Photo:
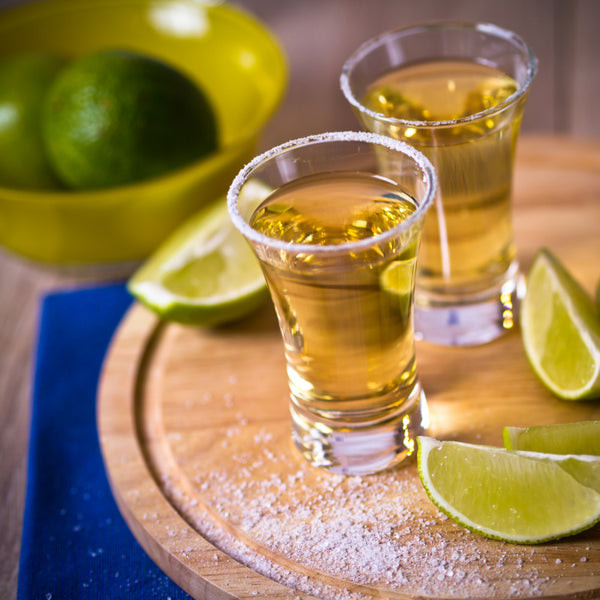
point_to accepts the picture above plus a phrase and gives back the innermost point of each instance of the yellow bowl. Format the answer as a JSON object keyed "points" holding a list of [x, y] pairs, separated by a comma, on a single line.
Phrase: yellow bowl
{"points": [[230, 54]]}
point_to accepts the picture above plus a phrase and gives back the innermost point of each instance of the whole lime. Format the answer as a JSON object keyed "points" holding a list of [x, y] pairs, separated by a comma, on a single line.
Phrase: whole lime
{"points": [[115, 117], [24, 80]]}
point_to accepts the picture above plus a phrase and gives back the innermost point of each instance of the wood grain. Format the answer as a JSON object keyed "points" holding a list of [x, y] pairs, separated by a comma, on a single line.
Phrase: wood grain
{"points": [[195, 432]]}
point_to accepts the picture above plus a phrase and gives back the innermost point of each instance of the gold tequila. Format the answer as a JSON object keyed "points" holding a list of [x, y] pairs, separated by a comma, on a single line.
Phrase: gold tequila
{"points": [[345, 314], [467, 242]]}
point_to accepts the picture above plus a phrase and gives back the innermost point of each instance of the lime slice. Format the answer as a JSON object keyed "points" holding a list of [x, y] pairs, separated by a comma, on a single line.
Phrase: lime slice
{"points": [[564, 438], [205, 273], [519, 497], [560, 330]]}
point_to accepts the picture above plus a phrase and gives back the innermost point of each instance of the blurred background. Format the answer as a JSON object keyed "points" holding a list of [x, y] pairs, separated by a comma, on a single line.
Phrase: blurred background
{"points": [[318, 36]]}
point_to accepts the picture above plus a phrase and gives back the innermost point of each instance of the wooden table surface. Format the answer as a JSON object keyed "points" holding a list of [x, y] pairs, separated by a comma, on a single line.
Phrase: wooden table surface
{"points": [[313, 104]]}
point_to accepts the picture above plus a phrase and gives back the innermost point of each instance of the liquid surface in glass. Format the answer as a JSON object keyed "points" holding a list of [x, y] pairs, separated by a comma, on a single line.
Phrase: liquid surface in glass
{"points": [[467, 243], [345, 315]]}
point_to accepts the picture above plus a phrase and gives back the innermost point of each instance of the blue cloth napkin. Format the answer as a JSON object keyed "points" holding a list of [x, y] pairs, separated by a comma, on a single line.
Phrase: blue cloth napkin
{"points": [[75, 543]]}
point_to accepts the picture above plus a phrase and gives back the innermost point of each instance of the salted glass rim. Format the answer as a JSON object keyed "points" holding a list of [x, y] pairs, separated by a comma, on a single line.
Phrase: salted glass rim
{"points": [[427, 171], [487, 28]]}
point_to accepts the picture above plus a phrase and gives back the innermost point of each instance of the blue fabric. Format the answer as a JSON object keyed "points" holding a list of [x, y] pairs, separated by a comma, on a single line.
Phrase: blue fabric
{"points": [[75, 542]]}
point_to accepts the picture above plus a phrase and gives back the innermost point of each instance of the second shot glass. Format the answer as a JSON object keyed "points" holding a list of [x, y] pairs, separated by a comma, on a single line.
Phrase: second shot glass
{"points": [[455, 91]]}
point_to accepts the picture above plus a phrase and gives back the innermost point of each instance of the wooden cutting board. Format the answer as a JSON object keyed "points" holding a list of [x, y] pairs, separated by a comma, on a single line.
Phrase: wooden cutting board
{"points": [[194, 430]]}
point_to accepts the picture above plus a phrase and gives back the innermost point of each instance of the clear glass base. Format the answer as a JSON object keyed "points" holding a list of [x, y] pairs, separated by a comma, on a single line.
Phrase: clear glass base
{"points": [[473, 321], [354, 449]]}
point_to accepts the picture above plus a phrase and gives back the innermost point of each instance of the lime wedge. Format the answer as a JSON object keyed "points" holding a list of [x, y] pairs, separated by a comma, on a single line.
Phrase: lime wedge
{"points": [[398, 277], [582, 437], [205, 273], [397, 280], [560, 330], [519, 497]]}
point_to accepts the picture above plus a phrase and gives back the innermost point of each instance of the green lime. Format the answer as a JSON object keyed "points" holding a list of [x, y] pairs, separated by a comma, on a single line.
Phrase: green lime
{"points": [[519, 497], [205, 273], [561, 330], [582, 437], [116, 117], [24, 80]]}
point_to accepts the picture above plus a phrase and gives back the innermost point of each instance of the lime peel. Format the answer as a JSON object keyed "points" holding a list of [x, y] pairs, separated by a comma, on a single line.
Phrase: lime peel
{"points": [[496, 492]]}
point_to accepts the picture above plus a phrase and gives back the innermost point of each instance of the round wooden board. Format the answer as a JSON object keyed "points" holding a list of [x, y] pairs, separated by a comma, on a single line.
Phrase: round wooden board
{"points": [[194, 430]]}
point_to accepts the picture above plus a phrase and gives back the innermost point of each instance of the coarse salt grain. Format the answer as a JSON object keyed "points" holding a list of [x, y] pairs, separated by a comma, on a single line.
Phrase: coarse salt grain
{"points": [[349, 528], [377, 531]]}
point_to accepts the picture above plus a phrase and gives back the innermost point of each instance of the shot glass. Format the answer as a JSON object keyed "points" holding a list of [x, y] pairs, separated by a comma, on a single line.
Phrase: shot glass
{"points": [[337, 237], [454, 91]]}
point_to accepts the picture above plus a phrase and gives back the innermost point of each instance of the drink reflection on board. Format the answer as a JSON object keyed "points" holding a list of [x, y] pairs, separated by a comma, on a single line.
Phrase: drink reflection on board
{"points": [[455, 92], [337, 240]]}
